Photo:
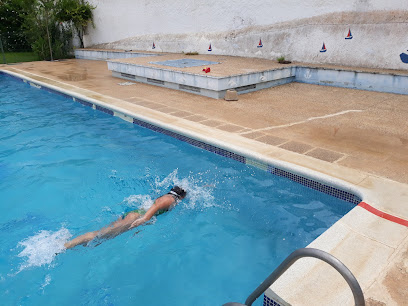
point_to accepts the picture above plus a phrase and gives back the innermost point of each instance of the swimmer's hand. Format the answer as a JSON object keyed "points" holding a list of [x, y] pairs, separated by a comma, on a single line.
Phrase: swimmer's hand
{"points": [[137, 222]]}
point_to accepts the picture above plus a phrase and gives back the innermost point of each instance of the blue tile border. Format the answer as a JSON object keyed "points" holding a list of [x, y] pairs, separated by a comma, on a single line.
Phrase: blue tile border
{"points": [[192, 141], [103, 109], [83, 102], [338, 193], [56, 92], [333, 191]]}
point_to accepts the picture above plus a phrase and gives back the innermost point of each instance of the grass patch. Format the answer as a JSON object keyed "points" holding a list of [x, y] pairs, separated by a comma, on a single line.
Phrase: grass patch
{"points": [[281, 60], [18, 57]]}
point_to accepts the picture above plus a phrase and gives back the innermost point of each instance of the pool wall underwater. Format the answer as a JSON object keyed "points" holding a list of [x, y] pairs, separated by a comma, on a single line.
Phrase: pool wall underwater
{"points": [[316, 181]]}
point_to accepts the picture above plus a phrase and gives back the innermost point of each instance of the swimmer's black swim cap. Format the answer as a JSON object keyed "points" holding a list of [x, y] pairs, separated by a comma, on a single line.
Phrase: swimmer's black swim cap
{"points": [[181, 193]]}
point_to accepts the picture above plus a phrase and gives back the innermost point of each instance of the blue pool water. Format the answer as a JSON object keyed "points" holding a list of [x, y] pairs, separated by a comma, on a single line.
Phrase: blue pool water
{"points": [[66, 169]]}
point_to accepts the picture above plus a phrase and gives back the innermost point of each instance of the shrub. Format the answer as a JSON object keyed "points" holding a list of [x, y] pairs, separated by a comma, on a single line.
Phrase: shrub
{"points": [[12, 16], [281, 59]]}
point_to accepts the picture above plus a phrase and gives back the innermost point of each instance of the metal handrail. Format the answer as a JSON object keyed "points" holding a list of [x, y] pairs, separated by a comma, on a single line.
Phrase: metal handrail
{"points": [[308, 252]]}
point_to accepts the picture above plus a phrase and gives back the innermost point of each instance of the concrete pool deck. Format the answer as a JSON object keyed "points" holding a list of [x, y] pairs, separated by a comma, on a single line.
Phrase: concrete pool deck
{"points": [[356, 136]]}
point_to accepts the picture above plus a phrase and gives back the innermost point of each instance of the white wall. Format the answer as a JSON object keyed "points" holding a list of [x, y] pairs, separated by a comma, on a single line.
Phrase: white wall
{"points": [[295, 29]]}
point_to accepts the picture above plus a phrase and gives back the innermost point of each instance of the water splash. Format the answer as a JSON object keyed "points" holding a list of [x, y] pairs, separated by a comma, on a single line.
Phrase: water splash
{"points": [[169, 180], [199, 193], [41, 249], [47, 281], [139, 201]]}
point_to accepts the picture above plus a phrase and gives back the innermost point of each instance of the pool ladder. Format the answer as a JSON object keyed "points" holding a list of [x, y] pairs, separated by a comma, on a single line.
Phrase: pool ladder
{"points": [[291, 259]]}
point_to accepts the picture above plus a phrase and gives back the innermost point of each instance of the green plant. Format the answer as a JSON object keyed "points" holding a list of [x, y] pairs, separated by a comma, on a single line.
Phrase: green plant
{"points": [[281, 59], [48, 24], [78, 13], [43, 26], [12, 14], [18, 57], [48, 37]]}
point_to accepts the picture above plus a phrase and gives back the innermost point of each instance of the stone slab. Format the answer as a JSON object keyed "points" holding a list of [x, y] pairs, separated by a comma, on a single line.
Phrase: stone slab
{"points": [[108, 54]]}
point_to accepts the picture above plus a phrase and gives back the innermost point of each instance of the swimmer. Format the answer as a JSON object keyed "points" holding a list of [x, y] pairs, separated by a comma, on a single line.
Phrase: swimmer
{"points": [[132, 219]]}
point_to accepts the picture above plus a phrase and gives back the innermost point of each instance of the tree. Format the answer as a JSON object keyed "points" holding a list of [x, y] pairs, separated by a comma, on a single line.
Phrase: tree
{"points": [[44, 25], [78, 13], [48, 38], [12, 15], [45, 7]]}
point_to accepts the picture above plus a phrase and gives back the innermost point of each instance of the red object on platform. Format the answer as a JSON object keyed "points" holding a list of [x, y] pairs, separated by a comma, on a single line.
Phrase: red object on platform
{"points": [[207, 70]]}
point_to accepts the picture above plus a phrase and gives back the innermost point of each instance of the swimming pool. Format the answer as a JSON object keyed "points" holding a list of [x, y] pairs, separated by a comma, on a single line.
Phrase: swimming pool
{"points": [[66, 169]]}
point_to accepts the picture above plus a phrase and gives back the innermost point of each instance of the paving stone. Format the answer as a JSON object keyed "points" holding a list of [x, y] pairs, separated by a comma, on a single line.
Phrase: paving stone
{"points": [[181, 114], [297, 147], [253, 135], [212, 123], [148, 104], [272, 140], [230, 128], [325, 155], [196, 118], [166, 109], [155, 105]]}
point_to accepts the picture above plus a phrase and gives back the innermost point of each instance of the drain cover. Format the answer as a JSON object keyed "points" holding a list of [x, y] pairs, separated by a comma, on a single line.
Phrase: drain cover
{"points": [[184, 63]]}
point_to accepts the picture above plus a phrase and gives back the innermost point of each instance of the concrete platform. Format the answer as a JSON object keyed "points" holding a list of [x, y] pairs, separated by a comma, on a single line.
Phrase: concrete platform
{"points": [[194, 80], [391, 82], [359, 137], [98, 54], [228, 74]]}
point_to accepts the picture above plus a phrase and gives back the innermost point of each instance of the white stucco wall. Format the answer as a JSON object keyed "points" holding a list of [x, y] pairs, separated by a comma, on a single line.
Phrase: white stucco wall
{"points": [[295, 29]]}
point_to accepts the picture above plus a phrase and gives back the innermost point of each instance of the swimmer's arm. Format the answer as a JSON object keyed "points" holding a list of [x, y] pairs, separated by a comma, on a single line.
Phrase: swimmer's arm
{"points": [[146, 217], [137, 222]]}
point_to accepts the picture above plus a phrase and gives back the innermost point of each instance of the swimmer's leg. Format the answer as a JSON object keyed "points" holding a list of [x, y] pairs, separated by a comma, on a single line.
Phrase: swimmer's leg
{"points": [[119, 226], [111, 231], [83, 239]]}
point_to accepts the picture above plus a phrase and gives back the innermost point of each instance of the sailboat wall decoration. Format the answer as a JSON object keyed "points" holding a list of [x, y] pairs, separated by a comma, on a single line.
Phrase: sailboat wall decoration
{"points": [[404, 57], [323, 49], [260, 45], [349, 35], [210, 48]]}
